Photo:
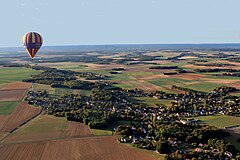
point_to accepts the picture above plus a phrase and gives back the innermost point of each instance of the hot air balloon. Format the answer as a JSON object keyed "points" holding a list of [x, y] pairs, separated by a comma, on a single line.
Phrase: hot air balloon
{"points": [[32, 42]]}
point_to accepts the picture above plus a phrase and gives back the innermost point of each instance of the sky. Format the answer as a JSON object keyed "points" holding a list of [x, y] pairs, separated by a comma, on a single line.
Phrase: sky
{"points": [[89, 22]]}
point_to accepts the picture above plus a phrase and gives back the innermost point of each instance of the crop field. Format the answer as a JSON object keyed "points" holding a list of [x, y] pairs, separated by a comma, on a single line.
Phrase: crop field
{"points": [[12, 95], [14, 91], [27, 132], [97, 148], [43, 127], [77, 129], [19, 116], [7, 107], [15, 74]]}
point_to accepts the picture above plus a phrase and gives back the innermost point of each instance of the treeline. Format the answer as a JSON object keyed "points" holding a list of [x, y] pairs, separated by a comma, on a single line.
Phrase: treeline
{"points": [[188, 90], [223, 90], [217, 55], [14, 65], [216, 70], [66, 79], [214, 64], [84, 58], [118, 69], [228, 74], [163, 67], [218, 91]]}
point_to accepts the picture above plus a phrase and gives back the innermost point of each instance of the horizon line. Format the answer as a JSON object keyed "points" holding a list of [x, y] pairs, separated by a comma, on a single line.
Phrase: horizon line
{"points": [[112, 44]]}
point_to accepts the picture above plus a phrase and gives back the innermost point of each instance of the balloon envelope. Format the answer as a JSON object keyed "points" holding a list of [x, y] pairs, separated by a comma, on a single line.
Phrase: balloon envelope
{"points": [[32, 42]]}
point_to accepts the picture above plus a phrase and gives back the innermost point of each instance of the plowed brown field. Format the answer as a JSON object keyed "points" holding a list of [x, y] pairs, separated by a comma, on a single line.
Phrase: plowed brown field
{"points": [[144, 85], [20, 115], [77, 129], [14, 91], [12, 95], [94, 148], [17, 85], [188, 76]]}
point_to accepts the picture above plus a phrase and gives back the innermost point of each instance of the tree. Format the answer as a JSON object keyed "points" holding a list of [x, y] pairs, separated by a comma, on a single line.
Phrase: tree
{"points": [[163, 148]]}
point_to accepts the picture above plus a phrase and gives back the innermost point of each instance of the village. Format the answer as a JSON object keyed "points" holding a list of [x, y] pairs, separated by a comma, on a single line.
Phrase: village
{"points": [[172, 130]]}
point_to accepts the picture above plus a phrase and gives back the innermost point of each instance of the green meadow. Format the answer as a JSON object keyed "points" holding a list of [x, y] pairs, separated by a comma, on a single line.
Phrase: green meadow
{"points": [[109, 129], [152, 102], [8, 107], [13, 74], [220, 121]]}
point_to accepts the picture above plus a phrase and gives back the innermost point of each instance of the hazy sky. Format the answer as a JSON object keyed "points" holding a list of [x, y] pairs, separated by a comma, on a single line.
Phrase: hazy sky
{"points": [[64, 22]]}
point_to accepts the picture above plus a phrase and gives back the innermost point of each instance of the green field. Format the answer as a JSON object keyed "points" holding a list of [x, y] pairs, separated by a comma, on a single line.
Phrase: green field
{"points": [[199, 86], [203, 86], [109, 130], [43, 127], [8, 107], [125, 86], [15, 74], [168, 82], [74, 67], [220, 121], [45, 123]]}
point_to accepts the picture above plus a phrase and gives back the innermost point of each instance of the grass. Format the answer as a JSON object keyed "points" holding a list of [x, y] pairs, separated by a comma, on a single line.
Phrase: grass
{"points": [[41, 87], [153, 154], [45, 123], [125, 75], [168, 82], [15, 74], [96, 71], [125, 86], [43, 127], [73, 67], [109, 129], [203, 86], [199, 86], [100, 132], [7, 107], [220, 121]]}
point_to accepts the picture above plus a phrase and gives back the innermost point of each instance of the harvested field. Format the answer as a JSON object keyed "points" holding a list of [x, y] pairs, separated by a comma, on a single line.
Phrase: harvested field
{"points": [[3, 118], [191, 66], [92, 148], [145, 85], [14, 91], [77, 129], [12, 95], [188, 76], [17, 85], [19, 116]]}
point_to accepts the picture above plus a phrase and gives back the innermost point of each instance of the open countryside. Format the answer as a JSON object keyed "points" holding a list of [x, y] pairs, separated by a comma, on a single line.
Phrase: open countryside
{"points": [[141, 98]]}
